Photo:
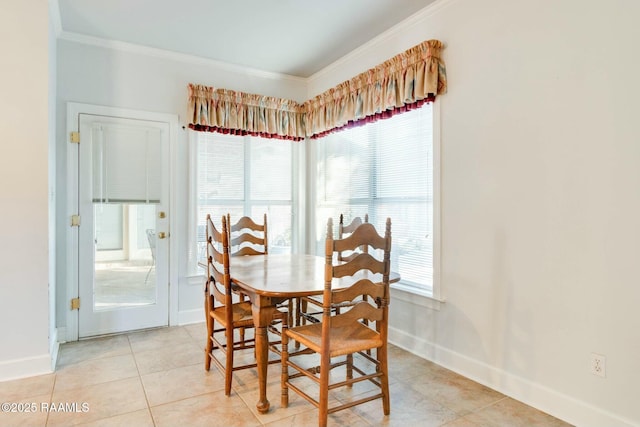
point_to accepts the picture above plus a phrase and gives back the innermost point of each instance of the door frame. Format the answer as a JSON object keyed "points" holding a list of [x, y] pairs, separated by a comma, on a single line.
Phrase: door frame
{"points": [[74, 109]]}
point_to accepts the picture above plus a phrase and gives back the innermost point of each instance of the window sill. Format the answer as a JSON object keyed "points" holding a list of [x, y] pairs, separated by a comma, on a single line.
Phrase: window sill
{"points": [[415, 296], [195, 279]]}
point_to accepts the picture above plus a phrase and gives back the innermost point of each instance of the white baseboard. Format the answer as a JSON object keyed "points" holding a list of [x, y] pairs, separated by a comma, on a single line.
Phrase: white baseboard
{"points": [[25, 367], [187, 317], [545, 399], [32, 366]]}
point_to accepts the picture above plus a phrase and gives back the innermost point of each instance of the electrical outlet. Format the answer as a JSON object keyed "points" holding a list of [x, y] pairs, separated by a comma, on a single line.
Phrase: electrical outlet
{"points": [[598, 365]]}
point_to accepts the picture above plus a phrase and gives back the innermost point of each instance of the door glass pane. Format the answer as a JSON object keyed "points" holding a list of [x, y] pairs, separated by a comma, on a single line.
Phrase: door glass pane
{"points": [[108, 227], [124, 255]]}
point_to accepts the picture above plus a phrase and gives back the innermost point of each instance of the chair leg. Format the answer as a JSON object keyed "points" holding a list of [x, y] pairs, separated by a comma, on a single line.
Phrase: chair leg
{"points": [[284, 356], [290, 311], [228, 371], [303, 309], [298, 308], [323, 401], [349, 369], [209, 345], [381, 354]]}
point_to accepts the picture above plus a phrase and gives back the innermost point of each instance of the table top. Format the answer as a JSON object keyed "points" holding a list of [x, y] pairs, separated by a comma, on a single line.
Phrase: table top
{"points": [[288, 275]]}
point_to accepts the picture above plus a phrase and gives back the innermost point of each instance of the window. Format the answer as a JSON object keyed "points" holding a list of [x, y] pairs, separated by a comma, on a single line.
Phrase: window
{"points": [[242, 175], [384, 169]]}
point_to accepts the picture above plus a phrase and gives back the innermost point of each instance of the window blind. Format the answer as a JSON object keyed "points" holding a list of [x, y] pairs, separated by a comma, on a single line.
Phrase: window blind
{"points": [[384, 169], [244, 175], [126, 163]]}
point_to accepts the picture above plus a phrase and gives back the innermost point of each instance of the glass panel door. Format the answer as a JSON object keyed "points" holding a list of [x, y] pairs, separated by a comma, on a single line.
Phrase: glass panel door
{"points": [[125, 241], [123, 244]]}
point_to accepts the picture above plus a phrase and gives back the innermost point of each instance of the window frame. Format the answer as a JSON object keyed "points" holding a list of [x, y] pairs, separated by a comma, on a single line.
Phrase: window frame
{"points": [[403, 290], [304, 215], [247, 203]]}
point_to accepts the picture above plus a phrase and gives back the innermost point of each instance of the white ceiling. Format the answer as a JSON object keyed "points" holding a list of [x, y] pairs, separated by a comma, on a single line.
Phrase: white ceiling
{"points": [[294, 37]]}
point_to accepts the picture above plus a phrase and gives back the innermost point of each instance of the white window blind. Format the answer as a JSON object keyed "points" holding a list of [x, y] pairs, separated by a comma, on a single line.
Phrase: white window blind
{"points": [[126, 163], [243, 175], [384, 169]]}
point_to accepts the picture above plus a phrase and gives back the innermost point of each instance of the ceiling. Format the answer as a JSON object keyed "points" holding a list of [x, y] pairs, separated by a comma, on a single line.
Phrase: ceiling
{"points": [[293, 37]]}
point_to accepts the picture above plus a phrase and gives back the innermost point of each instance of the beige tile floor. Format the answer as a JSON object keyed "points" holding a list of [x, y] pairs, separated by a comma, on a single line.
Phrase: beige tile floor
{"points": [[156, 378], [124, 283]]}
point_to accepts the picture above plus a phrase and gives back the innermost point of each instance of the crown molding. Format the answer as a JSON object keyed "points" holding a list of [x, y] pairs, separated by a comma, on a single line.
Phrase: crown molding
{"points": [[171, 55], [402, 26]]}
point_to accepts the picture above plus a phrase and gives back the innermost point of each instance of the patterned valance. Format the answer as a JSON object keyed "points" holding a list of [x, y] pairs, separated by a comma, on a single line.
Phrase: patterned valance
{"points": [[401, 83], [227, 111]]}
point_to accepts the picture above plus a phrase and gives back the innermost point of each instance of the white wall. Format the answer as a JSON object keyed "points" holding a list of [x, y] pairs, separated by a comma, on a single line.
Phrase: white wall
{"points": [[130, 78], [540, 200], [24, 154]]}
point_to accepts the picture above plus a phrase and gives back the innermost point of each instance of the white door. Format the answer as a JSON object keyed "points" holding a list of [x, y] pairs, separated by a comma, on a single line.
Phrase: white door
{"points": [[123, 200]]}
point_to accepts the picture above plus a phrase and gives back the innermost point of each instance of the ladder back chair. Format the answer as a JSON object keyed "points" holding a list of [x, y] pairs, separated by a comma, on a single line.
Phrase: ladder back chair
{"points": [[248, 238], [302, 312], [343, 339], [345, 230], [222, 310]]}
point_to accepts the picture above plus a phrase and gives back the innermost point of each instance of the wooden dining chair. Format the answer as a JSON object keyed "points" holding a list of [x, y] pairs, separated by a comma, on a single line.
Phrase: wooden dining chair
{"points": [[303, 314], [248, 238], [340, 337], [222, 310], [345, 230]]}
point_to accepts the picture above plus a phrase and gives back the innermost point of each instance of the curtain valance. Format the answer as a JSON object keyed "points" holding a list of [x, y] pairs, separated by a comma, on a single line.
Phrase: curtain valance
{"points": [[401, 83], [238, 113]]}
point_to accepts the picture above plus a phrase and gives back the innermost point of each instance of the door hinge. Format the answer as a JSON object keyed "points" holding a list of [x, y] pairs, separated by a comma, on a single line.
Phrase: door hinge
{"points": [[75, 303], [75, 220], [74, 137]]}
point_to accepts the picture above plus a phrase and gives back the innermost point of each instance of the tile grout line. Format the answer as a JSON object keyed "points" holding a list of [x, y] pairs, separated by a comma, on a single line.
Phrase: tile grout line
{"points": [[246, 404], [482, 408], [55, 380], [144, 390]]}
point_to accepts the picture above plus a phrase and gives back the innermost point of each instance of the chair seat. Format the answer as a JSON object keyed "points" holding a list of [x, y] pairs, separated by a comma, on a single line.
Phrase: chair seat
{"points": [[242, 314], [346, 339]]}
